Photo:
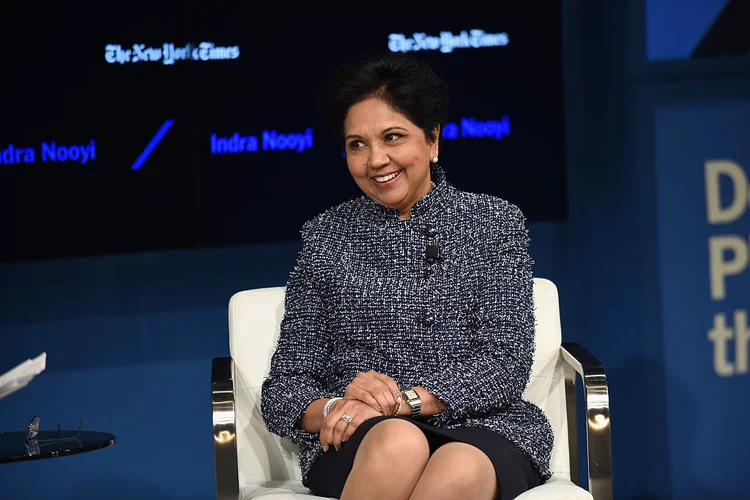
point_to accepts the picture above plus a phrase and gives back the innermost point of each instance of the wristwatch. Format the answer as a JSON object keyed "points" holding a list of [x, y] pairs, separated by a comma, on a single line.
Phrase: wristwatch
{"points": [[412, 398]]}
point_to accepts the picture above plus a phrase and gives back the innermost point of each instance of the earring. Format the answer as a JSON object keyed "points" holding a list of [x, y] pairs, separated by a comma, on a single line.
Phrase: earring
{"points": [[435, 160]]}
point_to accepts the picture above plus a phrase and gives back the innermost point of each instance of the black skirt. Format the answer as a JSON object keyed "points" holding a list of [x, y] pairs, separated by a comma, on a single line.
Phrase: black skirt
{"points": [[515, 473]]}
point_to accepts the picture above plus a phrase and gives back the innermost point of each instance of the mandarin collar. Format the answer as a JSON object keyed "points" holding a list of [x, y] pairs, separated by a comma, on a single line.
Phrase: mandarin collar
{"points": [[433, 203]]}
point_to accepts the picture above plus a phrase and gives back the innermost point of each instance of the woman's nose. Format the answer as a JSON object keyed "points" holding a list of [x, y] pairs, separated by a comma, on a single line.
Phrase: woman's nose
{"points": [[379, 158]]}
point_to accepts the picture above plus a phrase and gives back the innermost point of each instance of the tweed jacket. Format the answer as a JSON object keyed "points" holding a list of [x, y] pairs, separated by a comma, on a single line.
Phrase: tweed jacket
{"points": [[364, 296]]}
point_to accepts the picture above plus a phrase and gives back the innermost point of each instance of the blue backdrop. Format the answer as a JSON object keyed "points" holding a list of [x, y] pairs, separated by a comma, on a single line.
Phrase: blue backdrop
{"points": [[702, 164], [675, 27]]}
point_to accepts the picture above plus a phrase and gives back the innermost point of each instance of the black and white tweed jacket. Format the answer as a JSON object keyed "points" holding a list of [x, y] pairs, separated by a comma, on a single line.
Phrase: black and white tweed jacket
{"points": [[363, 296]]}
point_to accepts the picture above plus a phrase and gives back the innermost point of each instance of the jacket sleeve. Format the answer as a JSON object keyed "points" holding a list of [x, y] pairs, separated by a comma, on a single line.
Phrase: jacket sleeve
{"points": [[499, 367], [296, 375]]}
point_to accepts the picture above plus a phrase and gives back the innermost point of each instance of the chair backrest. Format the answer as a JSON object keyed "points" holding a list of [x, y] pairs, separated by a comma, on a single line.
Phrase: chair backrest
{"points": [[254, 319]]}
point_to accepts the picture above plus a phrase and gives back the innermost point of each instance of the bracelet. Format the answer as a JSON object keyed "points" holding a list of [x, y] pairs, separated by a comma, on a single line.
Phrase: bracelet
{"points": [[327, 406], [398, 408]]}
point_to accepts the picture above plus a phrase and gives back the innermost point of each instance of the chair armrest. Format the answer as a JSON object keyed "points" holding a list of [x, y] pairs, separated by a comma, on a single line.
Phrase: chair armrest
{"points": [[225, 442], [598, 433]]}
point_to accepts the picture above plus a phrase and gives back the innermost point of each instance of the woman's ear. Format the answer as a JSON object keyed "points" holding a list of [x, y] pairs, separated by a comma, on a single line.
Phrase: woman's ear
{"points": [[436, 143]]}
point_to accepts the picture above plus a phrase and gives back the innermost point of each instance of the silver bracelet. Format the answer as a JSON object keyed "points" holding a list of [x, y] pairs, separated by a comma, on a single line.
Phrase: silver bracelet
{"points": [[327, 406]]}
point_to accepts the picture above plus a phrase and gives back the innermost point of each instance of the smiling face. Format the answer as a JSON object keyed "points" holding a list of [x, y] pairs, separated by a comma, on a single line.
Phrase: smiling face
{"points": [[388, 155]]}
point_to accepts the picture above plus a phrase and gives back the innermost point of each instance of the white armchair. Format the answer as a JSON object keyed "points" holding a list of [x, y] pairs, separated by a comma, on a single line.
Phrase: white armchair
{"points": [[252, 463]]}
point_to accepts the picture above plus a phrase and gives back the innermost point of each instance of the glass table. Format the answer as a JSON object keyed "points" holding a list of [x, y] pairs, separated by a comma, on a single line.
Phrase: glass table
{"points": [[15, 447]]}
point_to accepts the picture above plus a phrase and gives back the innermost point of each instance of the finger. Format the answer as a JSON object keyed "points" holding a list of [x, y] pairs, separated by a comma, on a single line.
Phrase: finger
{"points": [[366, 383], [326, 430], [333, 423], [323, 444], [376, 388], [389, 386], [357, 420], [338, 433], [392, 385], [361, 394], [381, 393], [380, 398], [325, 434]]}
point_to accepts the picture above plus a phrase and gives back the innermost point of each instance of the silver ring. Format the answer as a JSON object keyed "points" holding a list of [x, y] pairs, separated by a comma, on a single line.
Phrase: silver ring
{"points": [[346, 418]]}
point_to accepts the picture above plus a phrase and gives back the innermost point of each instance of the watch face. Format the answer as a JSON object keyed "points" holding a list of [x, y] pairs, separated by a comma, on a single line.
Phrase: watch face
{"points": [[411, 394]]}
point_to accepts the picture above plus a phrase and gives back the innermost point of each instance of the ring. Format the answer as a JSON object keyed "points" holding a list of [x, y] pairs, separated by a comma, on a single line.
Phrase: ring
{"points": [[346, 418]]}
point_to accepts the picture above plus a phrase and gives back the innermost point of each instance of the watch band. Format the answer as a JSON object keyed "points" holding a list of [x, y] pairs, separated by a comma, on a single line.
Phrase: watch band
{"points": [[413, 400]]}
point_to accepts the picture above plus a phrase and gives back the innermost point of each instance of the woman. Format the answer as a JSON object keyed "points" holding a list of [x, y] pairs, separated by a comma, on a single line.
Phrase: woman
{"points": [[408, 333]]}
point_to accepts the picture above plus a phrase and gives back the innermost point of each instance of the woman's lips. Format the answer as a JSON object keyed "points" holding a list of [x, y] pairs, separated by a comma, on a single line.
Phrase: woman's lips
{"points": [[390, 181]]}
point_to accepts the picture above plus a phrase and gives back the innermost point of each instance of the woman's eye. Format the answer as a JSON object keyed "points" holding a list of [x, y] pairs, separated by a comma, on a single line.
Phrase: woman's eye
{"points": [[355, 145], [392, 137]]}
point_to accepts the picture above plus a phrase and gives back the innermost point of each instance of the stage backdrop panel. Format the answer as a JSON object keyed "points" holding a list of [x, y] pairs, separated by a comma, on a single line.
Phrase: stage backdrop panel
{"points": [[702, 169], [695, 29], [181, 125]]}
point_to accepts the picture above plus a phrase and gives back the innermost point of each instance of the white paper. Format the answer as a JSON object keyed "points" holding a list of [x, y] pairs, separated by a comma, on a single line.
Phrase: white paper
{"points": [[20, 376]]}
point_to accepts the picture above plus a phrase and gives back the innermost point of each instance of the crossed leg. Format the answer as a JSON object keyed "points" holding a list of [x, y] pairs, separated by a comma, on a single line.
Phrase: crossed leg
{"points": [[388, 463], [393, 461], [457, 470]]}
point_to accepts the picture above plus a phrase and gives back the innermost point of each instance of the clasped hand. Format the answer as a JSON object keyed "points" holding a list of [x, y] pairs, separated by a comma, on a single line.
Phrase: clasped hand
{"points": [[369, 395]]}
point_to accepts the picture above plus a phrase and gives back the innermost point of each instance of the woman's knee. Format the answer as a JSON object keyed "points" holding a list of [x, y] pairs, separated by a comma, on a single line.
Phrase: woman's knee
{"points": [[463, 469], [396, 440]]}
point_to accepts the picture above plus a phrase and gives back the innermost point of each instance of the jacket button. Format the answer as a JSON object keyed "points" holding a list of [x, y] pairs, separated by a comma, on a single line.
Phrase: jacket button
{"points": [[429, 319], [430, 231]]}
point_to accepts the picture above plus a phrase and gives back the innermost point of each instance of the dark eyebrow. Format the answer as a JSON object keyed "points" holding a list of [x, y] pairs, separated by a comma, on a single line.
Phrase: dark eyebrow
{"points": [[385, 131], [394, 128]]}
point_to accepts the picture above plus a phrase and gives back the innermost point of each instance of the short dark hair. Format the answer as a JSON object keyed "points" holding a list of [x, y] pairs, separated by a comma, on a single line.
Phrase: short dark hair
{"points": [[406, 83]]}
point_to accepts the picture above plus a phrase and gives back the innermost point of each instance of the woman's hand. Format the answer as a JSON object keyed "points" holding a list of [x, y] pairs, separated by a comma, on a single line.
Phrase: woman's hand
{"points": [[336, 430], [379, 391]]}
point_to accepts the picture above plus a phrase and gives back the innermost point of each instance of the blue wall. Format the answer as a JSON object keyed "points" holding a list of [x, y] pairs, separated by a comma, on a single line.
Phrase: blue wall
{"points": [[130, 338]]}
